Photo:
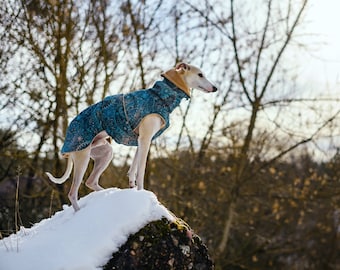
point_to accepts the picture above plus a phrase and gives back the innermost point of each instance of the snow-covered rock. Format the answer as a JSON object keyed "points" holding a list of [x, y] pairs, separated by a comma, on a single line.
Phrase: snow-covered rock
{"points": [[83, 240]]}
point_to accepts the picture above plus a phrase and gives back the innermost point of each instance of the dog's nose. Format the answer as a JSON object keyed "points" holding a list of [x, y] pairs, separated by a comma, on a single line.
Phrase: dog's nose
{"points": [[214, 88]]}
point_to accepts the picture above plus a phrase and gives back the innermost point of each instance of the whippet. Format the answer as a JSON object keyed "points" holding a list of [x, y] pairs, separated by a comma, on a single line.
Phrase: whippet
{"points": [[133, 119]]}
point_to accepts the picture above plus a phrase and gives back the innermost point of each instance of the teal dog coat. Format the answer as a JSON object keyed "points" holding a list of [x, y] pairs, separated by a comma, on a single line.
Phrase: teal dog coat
{"points": [[119, 115]]}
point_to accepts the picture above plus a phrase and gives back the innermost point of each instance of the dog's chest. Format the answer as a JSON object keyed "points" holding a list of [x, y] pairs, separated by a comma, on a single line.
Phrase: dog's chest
{"points": [[122, 116]]}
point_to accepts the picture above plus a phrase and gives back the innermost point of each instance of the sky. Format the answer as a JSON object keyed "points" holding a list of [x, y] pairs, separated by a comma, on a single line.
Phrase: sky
{"points": [[322, 63], [319, 66]]}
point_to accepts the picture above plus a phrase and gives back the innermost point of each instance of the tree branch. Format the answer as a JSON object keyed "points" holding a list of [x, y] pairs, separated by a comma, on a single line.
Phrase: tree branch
{"points": [[258, 60], [286, 42], [233, 39]]}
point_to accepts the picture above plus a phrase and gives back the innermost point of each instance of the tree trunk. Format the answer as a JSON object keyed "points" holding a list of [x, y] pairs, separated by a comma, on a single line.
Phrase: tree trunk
{"points": [[227, 227]]}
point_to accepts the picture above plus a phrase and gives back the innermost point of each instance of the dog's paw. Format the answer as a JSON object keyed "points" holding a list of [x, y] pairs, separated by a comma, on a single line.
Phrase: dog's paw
{"points": [[132, 184]]}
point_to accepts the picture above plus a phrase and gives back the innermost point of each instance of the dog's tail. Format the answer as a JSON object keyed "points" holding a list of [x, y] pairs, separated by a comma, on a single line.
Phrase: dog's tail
{"points": [[66, 174]]}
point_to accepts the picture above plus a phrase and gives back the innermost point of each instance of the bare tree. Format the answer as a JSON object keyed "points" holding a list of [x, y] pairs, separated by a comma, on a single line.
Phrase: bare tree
{"points": [[255, 89], [67, 54], [256, 46]]}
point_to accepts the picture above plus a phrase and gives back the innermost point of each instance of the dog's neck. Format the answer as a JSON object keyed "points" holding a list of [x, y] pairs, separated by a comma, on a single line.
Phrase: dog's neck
{"points": [[173, 76]]}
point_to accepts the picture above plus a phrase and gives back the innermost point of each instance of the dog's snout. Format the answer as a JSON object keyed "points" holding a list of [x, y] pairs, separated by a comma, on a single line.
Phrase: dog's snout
{"points": [[214, 88]]}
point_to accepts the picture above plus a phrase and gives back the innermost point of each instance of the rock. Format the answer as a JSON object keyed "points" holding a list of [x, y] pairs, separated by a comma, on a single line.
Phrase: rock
{"points": [[162, 245]]}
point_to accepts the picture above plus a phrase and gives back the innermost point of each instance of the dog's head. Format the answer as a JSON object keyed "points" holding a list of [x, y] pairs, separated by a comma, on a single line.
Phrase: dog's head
{"points": [[186, 76], [194, 78]]}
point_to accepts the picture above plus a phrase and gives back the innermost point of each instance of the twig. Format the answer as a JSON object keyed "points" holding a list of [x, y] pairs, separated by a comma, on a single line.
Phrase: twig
{"points": [[16, 215], [4, 242], [51, 202]]}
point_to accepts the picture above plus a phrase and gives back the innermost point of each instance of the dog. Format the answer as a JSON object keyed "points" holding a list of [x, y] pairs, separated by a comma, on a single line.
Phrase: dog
{"points": [[132, 119]]}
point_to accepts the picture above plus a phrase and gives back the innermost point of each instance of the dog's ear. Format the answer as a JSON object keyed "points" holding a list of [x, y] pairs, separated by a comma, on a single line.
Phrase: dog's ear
{"points": [[182, 68]]}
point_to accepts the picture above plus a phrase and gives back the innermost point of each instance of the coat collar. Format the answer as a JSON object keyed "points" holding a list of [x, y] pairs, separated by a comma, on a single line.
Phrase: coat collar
{"points": [[169, 91]]}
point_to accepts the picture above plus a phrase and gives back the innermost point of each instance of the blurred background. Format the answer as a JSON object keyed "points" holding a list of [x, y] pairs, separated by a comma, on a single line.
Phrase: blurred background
{"points": [[253, 168]]}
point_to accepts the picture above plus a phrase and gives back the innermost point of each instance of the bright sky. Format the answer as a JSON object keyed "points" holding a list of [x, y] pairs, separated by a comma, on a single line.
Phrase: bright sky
{"points": [[323, 65]]}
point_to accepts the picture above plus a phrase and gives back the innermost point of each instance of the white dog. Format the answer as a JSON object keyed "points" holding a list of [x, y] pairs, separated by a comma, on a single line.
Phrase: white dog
{"points": [[131, 119]]}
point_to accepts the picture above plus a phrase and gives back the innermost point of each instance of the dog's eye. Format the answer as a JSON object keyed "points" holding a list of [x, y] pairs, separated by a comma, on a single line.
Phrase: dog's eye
{"points": [[200, 75]]}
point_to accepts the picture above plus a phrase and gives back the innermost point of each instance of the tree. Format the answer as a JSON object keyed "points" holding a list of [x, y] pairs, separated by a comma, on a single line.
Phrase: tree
{"points": [[259, 46], [255, 90], [70, 56]]}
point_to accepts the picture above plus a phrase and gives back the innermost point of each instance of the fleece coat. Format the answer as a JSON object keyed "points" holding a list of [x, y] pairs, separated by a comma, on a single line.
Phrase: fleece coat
{"points": [[119, 115]]}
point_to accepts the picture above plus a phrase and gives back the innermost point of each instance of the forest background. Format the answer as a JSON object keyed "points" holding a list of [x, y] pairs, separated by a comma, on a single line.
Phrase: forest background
{"points": [[253, 168]]}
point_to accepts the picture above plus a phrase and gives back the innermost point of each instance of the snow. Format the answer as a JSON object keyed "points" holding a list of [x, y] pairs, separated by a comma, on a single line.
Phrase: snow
{"points": [[82, 240]]}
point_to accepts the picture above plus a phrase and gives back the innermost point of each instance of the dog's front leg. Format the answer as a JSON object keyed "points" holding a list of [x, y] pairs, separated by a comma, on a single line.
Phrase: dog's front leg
{"points": [[132, 173], [142, 154], [149, 126]]}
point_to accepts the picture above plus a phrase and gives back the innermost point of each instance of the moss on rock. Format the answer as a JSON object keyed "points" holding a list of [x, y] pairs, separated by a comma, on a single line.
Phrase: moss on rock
{"points": [[162, 245]]}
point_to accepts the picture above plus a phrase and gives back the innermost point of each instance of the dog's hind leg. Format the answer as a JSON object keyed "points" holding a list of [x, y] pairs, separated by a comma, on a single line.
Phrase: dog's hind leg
{"points": [[102, 156], [80, 162]]}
